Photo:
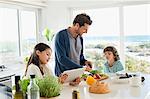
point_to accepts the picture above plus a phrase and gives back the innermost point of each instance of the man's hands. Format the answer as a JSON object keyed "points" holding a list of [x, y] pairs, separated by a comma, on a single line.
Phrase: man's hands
{"points": [[75, 82], [88, 65]]}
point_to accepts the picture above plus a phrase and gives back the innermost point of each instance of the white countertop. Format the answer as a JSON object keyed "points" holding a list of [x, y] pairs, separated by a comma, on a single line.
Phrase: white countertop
{"points": [[13, 69], [118, 91], [6, 73]]}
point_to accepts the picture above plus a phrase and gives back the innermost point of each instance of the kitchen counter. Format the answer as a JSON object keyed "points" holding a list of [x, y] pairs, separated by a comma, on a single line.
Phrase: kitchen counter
{"points": [[6, 73], [11, 70], [6, 77], [118, 91]]}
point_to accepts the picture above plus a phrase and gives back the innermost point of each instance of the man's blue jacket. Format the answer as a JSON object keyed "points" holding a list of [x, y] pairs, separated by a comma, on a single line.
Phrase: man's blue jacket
{"points": [[62, 50]]}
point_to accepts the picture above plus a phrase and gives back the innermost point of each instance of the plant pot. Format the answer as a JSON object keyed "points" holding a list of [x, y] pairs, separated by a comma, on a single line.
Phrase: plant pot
{"points": [[49, 98]]}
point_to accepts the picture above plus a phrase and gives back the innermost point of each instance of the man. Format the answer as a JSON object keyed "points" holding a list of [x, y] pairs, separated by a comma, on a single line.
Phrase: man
{"points": [[69, 45]]}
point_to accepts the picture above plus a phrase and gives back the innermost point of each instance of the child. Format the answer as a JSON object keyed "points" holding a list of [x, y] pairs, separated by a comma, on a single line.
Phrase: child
{"points": [[113, 63], [37, 63]]}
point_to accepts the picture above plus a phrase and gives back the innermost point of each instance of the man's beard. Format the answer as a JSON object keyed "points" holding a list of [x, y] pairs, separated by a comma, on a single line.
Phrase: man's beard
{"points": [[77, 32]]}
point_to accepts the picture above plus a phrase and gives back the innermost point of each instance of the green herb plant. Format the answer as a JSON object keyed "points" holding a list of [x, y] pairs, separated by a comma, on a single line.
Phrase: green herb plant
{"points": [[24, 84], [49, 86]]}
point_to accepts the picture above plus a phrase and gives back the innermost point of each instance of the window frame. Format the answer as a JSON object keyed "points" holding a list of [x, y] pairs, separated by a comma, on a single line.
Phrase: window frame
{"points": [[19, 9], [121, 20]]}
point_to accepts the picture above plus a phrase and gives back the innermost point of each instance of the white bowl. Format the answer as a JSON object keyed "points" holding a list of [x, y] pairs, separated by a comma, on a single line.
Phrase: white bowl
{"points": [[123, 80]]}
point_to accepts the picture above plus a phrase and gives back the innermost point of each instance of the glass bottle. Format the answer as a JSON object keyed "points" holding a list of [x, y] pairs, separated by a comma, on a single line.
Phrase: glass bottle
{"points": [[33, 89], [18, 93], [75, 94]]}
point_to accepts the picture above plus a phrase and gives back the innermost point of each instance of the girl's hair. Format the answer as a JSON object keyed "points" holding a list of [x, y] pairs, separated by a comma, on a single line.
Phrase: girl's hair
{"points": [[34, 58], [113, 50]]}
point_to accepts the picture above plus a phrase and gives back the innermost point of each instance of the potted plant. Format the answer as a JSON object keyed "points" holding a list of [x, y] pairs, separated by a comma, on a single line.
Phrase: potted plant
{"points": [[49, 86], [48, 34], [24, 84]]}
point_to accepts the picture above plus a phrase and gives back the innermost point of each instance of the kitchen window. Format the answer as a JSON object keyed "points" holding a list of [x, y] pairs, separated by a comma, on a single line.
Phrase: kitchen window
{"points": [[18, 28], [127, 27], [9, 47], [28, 31], [103, 32], [137, 37]]}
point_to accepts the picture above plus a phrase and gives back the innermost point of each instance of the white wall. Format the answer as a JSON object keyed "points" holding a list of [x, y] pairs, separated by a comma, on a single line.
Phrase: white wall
{"points": [[57, 15]]}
